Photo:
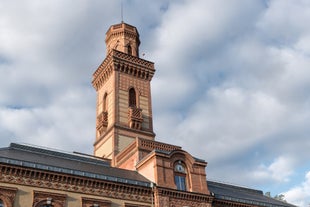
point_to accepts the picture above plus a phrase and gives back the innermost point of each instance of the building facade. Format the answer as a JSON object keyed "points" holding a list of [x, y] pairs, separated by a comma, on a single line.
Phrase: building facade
{"points": [[129, 167]]}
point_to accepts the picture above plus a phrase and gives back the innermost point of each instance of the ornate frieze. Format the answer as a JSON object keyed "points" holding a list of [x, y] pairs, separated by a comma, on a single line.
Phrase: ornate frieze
{"points": [[151, 145], [124, 63], [102, 122], [71, 183], [174, 198], [135, 117]]}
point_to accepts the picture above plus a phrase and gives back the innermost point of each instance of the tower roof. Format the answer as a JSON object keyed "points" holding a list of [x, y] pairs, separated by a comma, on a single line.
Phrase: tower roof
{"points": [[124, 38], [122, 27]]}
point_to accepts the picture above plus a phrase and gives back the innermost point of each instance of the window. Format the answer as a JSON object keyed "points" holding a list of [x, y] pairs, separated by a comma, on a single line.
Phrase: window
{"points": [[48, 199], [92, 202], [129, 50], [132, 98], [1, 203], [104, 104], [180, 176], [48, 203]]}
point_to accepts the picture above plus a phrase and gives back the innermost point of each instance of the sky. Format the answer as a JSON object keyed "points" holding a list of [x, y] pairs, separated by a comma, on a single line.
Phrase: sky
{"points": [[232, 81]]}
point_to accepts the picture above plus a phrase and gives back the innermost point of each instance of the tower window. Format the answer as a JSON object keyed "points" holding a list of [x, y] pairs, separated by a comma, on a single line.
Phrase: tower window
{"points": [[132, 98], [180, 176], [129, 50], [104, 104], [1, 203]]}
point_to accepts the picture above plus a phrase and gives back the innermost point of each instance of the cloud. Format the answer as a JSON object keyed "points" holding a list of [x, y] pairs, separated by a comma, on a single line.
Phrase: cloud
{"points": [[279, 170], [283, 21], [239, 78], [231, 84], [245, 117], [60, 125], [300, 195]]}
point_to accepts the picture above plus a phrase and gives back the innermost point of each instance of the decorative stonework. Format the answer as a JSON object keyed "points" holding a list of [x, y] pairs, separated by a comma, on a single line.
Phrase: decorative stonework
{"points": [[92, 202], [7, 195], [150, 145], [102, 122], [173, 198], [41, 198], [133, 205], [124, 63], [103, 72], [220, 203], [71, 183], [135, 118], [124, 38]]}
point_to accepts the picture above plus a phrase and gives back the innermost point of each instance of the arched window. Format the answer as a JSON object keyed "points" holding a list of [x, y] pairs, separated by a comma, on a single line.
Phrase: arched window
{"points": [[104, 103], [180, 176], [48, 203], [129, 50], [1, 203], [132, 98]]}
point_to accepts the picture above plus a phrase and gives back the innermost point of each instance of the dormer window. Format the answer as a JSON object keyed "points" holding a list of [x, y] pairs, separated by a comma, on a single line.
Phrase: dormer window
{"points": [[180, 176]]}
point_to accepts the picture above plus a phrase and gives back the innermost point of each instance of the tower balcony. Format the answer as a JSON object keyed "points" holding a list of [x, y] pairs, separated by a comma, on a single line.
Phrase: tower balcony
{"points": [[135, 117], [102, 122]]}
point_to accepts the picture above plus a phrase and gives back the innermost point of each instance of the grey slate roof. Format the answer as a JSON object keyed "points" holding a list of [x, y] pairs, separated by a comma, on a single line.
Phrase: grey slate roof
{"points": [[92, 167], [69, 163], [243, 195]]}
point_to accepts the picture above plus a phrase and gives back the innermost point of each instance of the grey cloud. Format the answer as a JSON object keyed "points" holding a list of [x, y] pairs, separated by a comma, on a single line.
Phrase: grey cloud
{"points": [[232, 77]]}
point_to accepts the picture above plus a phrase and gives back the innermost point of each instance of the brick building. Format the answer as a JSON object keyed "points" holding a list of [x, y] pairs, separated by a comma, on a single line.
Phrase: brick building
{"points": [[129, 167]]}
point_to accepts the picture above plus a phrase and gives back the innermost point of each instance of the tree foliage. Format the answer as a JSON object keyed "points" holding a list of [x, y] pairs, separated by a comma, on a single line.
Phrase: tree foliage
{"points": [[279, 197]]}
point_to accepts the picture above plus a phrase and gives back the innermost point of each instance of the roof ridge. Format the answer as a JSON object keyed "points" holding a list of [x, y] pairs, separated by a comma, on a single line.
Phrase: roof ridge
{"points": [[59, 153], [236, 186]]}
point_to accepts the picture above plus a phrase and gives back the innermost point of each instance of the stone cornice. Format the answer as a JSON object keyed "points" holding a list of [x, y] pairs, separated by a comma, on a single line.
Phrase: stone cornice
{"points": [[70, 183], [103, 72], [183, 195], [230, 203], [123, 63], [117, 126], [150, 145]]}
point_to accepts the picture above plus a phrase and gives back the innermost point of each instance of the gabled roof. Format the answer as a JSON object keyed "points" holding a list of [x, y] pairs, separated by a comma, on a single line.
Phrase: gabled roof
{"points": [[244, 195], [69, 163]]}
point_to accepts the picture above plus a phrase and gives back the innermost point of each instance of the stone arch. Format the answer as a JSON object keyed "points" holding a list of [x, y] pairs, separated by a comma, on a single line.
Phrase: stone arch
{"points": [[5, 202], [46, 199], [47, 203], [7, 195], [188, 160]]}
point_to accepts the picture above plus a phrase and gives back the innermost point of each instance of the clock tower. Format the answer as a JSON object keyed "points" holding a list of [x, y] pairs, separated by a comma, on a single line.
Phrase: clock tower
{"points": [[122, 83]]}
